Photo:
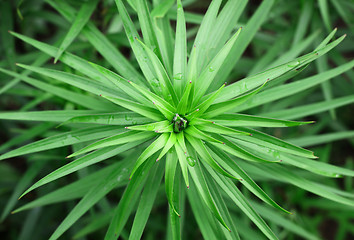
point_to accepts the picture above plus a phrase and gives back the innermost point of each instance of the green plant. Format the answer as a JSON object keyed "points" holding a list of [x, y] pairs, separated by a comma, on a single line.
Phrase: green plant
{"points": [[182, 108]]}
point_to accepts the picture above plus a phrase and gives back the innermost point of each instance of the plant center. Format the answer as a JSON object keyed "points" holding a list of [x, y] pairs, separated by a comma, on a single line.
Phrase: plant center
{"points": [[179, 123]]}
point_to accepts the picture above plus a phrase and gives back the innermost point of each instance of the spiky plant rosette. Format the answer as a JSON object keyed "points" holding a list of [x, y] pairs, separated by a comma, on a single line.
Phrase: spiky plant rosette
{"points": [[181, 112]]}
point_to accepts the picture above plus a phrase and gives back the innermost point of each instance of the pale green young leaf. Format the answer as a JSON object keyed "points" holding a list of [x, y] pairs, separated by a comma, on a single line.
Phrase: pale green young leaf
{"points": [[170, 172], [327, 39], [169, 144], [212, 127], [182, 158], [118, 139], [82, 17], [163, 106], [203, 189], [165, 38], [161, 8], [163, 126], [197, 133], [219, 108], [208, 74], [240, 152], [155, 146], [202, 107], [183, 105], [205, 155], [180, 53], [164, 80], [203, 35], [140, 54], [146, 26], [121, 83], [136, 107], [121, 118]]}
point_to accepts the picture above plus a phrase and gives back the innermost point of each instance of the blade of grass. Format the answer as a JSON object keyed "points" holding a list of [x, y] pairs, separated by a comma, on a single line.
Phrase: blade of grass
{"points": [[82, 17], [100, 42], [145, 111], [103, 187], [247, 181], [121, 118], [64, 139], [170, 172], [159, 143], [125, 206], [87, 160], [77, 98], [121, 138], [245, 38], [237, 197], [180, 53], [293, 88], [203, 189], [249, 83], [146, 202], [239, 120], [311, 109], [48, 116]]}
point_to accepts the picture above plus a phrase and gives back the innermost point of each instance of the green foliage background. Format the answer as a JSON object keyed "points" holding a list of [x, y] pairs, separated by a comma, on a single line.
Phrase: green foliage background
{"points": [[282, 31]]}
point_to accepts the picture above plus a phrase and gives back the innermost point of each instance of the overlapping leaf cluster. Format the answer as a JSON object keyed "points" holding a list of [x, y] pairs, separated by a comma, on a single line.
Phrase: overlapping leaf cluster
{"points": [[181, 111]]}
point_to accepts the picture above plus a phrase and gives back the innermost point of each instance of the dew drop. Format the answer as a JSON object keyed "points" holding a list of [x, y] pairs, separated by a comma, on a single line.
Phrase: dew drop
{"points": [[211, 69], [155, 83], [128, 118], [191, 161], [294, 64], [178, 76]]}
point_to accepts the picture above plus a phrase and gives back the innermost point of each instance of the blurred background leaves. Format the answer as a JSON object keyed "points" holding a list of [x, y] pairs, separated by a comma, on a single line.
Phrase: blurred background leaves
{"points": [[291, 29]]}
